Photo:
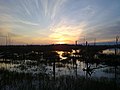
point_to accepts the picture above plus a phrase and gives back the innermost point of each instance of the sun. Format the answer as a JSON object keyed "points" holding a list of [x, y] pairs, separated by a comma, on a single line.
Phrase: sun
{"points": [[61, 40]]}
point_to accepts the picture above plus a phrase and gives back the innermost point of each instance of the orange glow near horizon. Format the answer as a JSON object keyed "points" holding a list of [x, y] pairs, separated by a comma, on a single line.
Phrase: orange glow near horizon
{"points": [[61, 40], [64, 33]]}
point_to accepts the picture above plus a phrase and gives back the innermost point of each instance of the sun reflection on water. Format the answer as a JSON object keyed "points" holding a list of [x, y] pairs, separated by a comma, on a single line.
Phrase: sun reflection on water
{"points": [[60, 54]]}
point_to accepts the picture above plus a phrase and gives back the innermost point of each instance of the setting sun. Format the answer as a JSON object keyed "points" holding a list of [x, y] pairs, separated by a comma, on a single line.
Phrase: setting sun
{"points": [[61, 41], [63, 33]]}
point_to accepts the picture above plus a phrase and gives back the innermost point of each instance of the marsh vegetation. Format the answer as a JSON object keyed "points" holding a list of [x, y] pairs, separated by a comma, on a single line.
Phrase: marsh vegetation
{"points": [[59, 70]]}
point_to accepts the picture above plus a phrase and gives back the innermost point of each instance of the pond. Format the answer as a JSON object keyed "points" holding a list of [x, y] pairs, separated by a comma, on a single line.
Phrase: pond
{"points": [[79, 68], [52, 73], [112, 51]]}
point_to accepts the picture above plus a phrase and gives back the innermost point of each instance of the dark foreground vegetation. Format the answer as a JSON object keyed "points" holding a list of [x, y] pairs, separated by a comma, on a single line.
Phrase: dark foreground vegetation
{"points": [[31, 56], [53, 47], [27, 81]]}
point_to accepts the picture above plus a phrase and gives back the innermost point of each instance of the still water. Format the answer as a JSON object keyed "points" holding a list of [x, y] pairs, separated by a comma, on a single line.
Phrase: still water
{"points": [[72, 69], [98, 70], [112, 51]]}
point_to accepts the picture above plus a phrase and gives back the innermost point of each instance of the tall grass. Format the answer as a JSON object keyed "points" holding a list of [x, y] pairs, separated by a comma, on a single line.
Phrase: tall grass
{"points": [[27, 81]]}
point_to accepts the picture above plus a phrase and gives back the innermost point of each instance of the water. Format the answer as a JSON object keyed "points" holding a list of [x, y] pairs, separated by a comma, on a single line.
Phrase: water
{"points": [[68, 68], [61, 69], [111, 51], [32, 72]]}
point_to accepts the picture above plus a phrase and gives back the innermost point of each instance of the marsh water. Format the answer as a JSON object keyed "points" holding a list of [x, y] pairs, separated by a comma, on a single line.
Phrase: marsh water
{"points": [[73, 69], [68, 69]]}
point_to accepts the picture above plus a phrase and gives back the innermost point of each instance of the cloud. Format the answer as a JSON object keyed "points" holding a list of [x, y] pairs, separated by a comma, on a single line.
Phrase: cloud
{"points": [[103, 33], [5, 29], [89, 10], [27, 22], [58, 20], [51, 8], [64, 32]]}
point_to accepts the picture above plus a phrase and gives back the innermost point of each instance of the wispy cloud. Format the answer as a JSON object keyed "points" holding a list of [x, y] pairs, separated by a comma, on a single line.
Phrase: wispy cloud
{"points": [[51, 8], [45, 21], [89, 10], [64, 32], [6, 24], [27, 22], [103, 32]]}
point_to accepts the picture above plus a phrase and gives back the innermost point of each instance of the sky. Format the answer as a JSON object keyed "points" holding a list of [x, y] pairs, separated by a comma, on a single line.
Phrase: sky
{"points": [[58, 21]]}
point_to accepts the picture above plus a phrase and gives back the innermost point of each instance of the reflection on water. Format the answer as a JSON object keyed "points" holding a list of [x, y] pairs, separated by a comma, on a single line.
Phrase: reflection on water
{"points": [[8, 65], [66, 66], [61, 54], [61, 69], [48, 69], [111, 51]]}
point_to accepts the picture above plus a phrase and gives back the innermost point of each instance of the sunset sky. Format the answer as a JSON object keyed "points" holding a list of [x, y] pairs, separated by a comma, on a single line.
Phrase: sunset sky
{"points": [[58, 21]]}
